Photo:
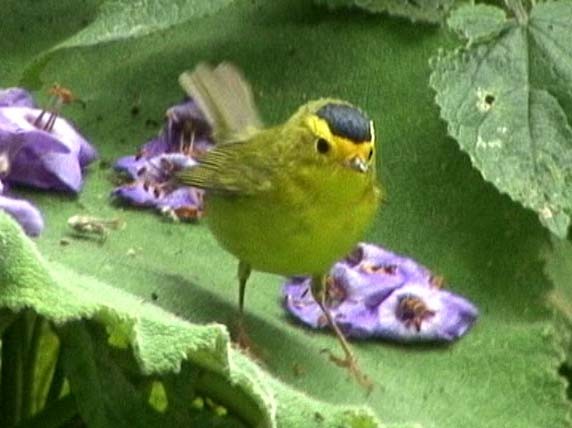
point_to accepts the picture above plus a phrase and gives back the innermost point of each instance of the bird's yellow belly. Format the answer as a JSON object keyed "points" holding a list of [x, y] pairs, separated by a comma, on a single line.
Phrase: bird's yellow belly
{"points": [[290, 239]]}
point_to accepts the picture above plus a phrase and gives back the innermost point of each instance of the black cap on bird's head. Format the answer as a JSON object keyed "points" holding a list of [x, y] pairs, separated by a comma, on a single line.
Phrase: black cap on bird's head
{"points": [[346, 121], [342, 131]]}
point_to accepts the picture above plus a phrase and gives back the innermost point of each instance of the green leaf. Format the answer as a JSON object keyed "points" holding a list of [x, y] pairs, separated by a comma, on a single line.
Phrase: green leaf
{"points": [[478, 22], [160, 343], [508, 103], [104, 395], [123, 19], [559, 269], [433, 11], [439, 211]]}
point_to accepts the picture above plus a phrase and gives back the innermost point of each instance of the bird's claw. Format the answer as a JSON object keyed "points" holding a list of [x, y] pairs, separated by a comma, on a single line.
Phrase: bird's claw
{"points": [[246, 344], [349, 362]]}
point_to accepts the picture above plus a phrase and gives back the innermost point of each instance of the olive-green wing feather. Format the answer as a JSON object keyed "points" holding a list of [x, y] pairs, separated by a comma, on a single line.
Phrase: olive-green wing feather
{"points": [[226, 99], [239, 168]]}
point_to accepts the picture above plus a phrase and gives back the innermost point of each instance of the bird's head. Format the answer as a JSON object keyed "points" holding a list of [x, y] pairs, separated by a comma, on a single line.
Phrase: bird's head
{"points": [[339, 132]]}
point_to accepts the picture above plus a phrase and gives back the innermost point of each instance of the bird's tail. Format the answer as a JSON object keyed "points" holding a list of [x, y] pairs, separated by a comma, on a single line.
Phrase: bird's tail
{"points": [[226, 99]]}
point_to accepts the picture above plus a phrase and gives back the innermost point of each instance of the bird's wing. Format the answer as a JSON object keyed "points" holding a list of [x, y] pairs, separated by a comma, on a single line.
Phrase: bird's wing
{"points": [[226, 99], [240, 168]]}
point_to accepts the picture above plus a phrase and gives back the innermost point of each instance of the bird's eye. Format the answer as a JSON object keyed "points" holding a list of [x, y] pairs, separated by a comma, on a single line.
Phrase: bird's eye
{"points": [[322, 146], [370, 154]]}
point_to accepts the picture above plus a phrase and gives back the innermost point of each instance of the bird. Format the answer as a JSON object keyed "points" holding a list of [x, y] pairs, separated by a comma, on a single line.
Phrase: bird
{"points": [[289, 199]]}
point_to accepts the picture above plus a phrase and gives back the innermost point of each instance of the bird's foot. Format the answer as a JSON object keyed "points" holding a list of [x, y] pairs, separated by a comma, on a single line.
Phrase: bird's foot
{"points": [[350, 363], [243, 340], [246, 344]]}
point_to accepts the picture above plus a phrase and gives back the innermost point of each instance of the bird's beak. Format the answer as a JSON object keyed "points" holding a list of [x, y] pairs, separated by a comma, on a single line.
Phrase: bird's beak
{"points": [[358, 164]]}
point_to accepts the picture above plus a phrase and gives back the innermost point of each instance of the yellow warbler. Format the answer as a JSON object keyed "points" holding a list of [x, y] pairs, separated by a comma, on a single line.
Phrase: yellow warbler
{"points": [[290, 199]]}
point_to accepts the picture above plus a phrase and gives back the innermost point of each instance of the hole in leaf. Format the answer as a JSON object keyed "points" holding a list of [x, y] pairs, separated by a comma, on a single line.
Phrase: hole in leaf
{"points": [[489, 99], [566, 372]]}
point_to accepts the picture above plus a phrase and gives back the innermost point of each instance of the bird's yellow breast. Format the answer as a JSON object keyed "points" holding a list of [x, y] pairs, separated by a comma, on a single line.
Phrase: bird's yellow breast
{"points": [[309, 221]]}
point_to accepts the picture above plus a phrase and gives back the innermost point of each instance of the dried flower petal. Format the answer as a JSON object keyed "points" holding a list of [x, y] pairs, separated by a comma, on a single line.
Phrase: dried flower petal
{"points": [[87, 153], [16, 97], [152, 169], [137, 193], [23, 212], [187, 117], [376, 293], [37, 149], [46, 159]]}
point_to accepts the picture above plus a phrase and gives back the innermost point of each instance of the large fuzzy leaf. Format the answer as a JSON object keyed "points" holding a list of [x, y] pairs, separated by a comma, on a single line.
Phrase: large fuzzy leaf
{"points": [[121, 19], [507, 99], [439, 211], [113, 20], [433, 11], [160, 343]]}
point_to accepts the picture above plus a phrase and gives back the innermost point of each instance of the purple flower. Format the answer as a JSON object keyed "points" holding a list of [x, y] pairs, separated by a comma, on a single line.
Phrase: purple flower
{"points": [[376, 293], [16, 97], [42, 149], [23, 212], [185, 135], [39, 149]]}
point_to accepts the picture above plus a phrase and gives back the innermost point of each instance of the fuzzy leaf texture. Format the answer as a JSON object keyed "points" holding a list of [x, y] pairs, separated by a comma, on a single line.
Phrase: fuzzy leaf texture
{"points": [[121, 19], [507, 100], [439, 211], [160, 342], [433, 11]]}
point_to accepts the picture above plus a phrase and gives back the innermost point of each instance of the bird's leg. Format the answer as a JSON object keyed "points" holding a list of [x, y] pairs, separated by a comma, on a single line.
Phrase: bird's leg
{"points": [[319, 292], [243, 275]]}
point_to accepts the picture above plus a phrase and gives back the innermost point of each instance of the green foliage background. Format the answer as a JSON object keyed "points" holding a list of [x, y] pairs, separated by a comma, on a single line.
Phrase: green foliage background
{"points": [[439, 210]]}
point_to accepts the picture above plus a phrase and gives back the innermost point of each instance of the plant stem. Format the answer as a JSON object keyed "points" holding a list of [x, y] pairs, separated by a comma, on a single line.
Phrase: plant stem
{"points": [[57, 382], [13, 345], [53, 415], [518, 9], [37, 326]]}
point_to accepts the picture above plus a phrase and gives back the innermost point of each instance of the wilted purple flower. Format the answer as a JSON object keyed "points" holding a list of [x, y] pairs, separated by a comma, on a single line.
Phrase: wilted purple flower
{"points": [[38, 149], [376, 293], [152, 169], [16, 97], [23, 212], [43, 150]]}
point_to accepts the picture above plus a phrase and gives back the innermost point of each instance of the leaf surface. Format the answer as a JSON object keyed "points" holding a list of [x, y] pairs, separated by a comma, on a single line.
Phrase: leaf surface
{"points": [[122, 19], [160, 343], [507, 101], [439, 211], [433, 11]]}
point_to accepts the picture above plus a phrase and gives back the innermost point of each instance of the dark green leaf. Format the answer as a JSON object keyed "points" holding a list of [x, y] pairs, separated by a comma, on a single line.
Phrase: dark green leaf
{"points": [[508, 103], [416, 10], [122, 19], [478, 22], [104, 396]]}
